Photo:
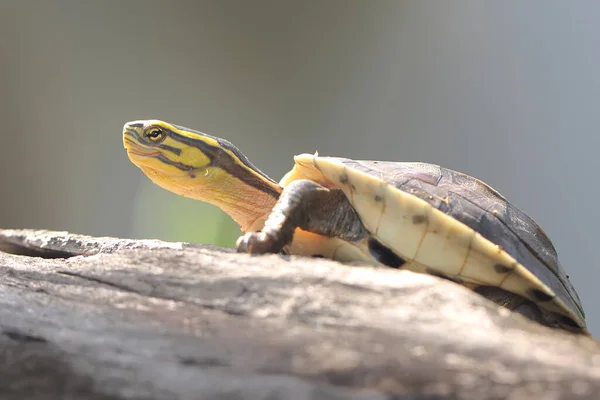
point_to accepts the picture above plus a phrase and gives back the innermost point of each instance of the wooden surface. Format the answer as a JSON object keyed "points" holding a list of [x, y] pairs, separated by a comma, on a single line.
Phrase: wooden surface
{"points": [[105, 318]]}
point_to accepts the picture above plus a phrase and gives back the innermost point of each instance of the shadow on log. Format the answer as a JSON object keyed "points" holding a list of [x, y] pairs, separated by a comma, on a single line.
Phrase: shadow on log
{"points": [[105, 318]]}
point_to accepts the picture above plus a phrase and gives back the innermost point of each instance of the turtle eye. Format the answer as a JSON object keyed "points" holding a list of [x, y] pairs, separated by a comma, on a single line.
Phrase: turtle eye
{"points": [[155, 135]]}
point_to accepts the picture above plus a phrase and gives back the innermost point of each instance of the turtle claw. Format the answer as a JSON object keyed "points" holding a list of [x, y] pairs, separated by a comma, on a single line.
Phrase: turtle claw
{"points": [[257, 243]]}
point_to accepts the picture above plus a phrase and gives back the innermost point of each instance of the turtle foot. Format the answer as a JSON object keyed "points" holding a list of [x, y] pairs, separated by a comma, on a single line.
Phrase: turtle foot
{"points": [[258, 243]]}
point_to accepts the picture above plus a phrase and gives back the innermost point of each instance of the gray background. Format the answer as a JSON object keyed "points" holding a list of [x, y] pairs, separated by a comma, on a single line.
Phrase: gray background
{"points": [[506, 91]]}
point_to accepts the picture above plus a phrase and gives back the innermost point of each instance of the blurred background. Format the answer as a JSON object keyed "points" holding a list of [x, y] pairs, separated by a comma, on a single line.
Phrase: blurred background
{"points": [[507, 92]]}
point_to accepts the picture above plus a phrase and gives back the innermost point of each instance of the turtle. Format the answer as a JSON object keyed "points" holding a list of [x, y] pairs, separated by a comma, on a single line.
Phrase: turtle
{"points": [[403, 215]]}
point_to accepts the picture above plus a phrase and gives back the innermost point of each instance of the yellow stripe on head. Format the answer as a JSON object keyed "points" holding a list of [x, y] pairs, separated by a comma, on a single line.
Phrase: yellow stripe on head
{"points": [[200, 166]]}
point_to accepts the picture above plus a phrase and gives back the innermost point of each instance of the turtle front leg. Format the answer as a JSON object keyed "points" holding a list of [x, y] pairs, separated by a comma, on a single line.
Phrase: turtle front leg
{"points": [[307, 205]]}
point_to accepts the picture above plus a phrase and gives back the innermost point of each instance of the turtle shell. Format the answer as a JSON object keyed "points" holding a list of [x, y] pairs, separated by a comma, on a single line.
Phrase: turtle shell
{"points": [[431, 219]]}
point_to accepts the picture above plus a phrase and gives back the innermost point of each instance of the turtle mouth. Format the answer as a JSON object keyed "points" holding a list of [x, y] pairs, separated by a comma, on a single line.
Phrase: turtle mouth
{"points": [[150, 154], [133, 148]]}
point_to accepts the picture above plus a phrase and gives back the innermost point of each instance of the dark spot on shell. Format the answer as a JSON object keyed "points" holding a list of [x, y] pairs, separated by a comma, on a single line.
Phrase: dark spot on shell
{"points": [[539, 295], [344, 178], [191, 174], [318, 256], [384, 254], [439, 274], [569, 322], [353, 187], [378, 198], [419, 219], [501, 269]]}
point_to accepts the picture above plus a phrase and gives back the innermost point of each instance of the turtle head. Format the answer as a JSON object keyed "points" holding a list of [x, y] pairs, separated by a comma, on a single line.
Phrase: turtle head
{"points": [[202, 167]]}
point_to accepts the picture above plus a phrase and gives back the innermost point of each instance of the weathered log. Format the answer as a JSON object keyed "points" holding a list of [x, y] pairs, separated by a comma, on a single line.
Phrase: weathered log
{"points": [[100, 318]]}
